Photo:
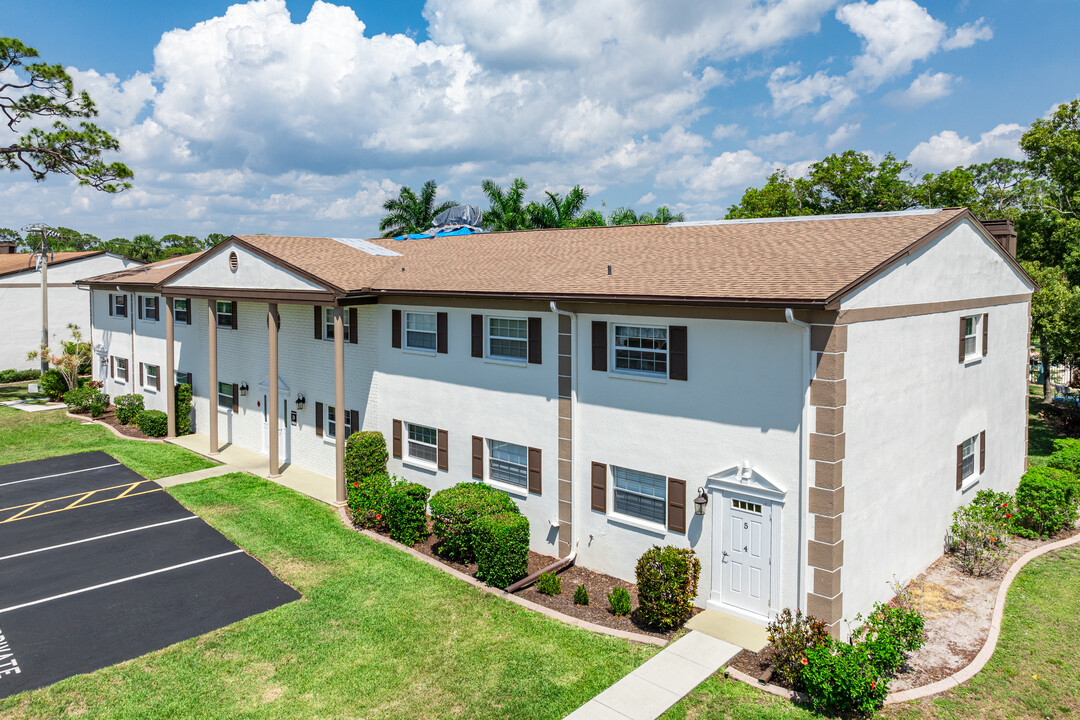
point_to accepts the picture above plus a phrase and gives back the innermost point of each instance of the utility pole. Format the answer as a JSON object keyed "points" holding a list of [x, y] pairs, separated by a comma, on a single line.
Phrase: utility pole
{"points": [[43, 251]]}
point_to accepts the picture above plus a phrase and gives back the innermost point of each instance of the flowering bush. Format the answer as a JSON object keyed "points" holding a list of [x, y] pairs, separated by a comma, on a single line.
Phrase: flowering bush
{"points": [[889, 633], [979, 535], [366, 500], [843, 680], [792, 636]]}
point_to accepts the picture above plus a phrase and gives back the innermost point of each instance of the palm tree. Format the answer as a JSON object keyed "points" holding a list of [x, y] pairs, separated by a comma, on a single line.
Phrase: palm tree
{"points": [[558, 212], [408, 213], [144, 247], [507, 211]]}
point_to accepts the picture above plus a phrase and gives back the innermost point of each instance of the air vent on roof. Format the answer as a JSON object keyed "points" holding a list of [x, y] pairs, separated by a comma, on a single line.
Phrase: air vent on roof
{"points": [[233, 261]]}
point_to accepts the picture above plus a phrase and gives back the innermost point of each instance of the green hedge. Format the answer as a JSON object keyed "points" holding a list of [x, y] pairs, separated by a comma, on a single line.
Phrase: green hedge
{"points": [[1066, 455], [52, 383], [365, 455], [1046, 501], [183, 408], [406, 509], [10, 376], [501, 544], [82, 399], [367, 499], [128, 408], [454, 513], [667, 580], [154, 423]]}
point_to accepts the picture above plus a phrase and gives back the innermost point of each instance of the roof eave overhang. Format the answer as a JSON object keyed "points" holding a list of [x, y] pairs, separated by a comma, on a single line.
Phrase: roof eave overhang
{"points": [[794, 303]]}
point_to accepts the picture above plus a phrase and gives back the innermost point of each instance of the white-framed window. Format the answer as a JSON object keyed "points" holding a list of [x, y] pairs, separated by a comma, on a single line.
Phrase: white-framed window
{"points": [[328, 325], [640, 349], [746, 506], [508, 338], [118, 305], [421, 331], [640, 494], [331, 422], [508, 463], [151, 307], [971, 336], [224, 395], [183, 378], [121, 369], [225, 314], [423, 443], [150, 376], [181, 310], [970, 449]]}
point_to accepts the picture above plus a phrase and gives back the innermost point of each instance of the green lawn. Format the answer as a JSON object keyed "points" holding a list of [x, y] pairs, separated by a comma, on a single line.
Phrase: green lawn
{"points": [[378, 634], [1041, 434], [13, 392], [33, 436]]}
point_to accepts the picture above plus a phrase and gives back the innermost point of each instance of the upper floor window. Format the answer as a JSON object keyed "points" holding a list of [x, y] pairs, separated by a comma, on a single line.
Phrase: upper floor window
{"points": [[226, 314], [328, 326], [331, 422], [181, 310], [641, 349], [423, 443], [640, 494], [508, 463], [150, 308], [974, 336], [508, 338], [971, 338], [118, 305], [421, 331]]}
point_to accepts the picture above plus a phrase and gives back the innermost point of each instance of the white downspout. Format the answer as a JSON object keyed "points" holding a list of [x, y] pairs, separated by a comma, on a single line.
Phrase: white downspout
{"points": [[804, 459], [573, 431]]}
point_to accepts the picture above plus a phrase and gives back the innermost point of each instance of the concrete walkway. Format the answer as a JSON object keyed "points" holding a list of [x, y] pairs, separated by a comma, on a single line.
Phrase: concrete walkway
{"points": [[237, 459], [648, 692]]}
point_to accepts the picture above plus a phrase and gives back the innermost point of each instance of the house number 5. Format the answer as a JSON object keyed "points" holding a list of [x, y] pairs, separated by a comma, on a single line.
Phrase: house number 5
{"points": [[745, 526]]}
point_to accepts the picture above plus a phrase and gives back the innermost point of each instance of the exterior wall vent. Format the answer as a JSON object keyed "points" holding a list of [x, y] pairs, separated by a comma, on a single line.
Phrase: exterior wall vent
{"points": [[233, 261]]}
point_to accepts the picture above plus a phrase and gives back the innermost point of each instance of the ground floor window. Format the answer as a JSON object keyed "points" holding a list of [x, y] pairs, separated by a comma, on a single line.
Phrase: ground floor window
{"points": [[150, 376], [224, 395], [423, 443], [331, 421], [508, 463], [183, 378], [121, 368], [640, 494]]}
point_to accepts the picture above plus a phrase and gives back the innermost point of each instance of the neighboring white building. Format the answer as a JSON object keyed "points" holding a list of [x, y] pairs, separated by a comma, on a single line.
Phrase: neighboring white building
{"points": [[833, 386], [20, 299]]}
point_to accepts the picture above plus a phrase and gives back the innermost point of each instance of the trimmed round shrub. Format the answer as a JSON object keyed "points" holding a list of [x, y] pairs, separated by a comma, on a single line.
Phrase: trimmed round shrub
{"points": [[501, 545], [792, 636], [367, 499], [183, 408], [842, 680], [1066, 455], [128, 408], [80, 399], [52, 383], [619, 601], [454, 513], [549, 584], [667, 580], [1046, 501], [581, 595], [154, 423], [99, 404], [406, 510], [365, 455]]}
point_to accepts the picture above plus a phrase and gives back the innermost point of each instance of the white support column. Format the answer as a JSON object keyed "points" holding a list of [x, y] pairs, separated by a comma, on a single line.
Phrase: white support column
{"points": [[212, 364]]}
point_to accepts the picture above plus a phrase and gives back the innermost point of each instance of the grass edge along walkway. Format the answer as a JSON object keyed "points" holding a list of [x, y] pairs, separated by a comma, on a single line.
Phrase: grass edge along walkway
{"points": [[377, 634]]}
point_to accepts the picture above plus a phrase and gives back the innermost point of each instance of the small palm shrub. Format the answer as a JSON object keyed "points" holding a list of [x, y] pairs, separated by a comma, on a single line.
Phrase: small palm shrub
{"points": [[454, 513], [1046, 501], [979, 535], [792, 636], [501, 545], [667, 581], [365, 455], [581, 595], [549, 584], [128, 408], [154, 423], [406, 511], [619, 601]]}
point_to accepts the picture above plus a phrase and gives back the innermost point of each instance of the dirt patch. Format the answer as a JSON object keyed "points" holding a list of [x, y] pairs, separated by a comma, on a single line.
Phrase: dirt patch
{"points": [[110, 419]]}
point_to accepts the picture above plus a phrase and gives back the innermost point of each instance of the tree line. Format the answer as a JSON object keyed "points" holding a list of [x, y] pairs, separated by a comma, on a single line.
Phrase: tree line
{"points": [[143, 247]]}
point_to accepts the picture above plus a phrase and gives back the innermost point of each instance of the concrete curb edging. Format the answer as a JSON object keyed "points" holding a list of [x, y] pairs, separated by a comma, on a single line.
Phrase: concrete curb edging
{"points": [[117, 433], [577, 622], [963, 674]]}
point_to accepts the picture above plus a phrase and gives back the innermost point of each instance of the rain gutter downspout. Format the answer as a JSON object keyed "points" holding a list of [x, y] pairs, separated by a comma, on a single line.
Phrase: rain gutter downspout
{"points": [[804, 458], [569, 559]]}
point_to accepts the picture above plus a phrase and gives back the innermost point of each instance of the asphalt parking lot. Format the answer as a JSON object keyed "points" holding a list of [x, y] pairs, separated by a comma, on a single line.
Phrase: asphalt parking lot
{"points": [[98, 565]]}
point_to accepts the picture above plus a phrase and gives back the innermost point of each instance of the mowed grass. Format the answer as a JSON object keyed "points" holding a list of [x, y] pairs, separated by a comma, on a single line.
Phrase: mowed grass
{"points": [[33, 436], [1041, 435], [378, 634]]}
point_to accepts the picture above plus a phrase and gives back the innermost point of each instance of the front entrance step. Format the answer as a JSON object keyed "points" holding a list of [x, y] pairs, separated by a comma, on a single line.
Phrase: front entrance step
{"points": [[735, 630]]}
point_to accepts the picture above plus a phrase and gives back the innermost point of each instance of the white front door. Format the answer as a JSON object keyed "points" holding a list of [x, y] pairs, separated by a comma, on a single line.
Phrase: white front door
{"points": [[745, 553], [284, 451]]}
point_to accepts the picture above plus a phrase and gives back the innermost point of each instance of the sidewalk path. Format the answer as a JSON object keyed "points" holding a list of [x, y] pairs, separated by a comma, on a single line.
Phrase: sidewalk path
{"points": [[648, 692]]}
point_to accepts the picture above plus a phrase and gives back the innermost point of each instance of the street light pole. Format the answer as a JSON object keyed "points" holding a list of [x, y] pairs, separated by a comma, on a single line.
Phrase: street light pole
{"points": [[43, 251]]}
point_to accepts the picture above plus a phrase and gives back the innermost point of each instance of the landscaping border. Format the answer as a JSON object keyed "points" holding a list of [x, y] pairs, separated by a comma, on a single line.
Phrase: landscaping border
{"points": [[584, 624], [88, 421], [960, 676]]}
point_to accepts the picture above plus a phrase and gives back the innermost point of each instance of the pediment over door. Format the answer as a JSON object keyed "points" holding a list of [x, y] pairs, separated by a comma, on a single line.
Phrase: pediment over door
{"points": [[743, 477]]}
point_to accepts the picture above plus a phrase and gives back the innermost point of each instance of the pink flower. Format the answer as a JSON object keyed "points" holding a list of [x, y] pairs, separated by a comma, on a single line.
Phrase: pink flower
{"points": [[805, 661], [378, 516]]}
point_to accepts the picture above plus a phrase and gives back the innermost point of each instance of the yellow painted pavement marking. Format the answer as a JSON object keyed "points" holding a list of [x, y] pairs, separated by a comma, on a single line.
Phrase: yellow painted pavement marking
{"points": [[26, 510]]}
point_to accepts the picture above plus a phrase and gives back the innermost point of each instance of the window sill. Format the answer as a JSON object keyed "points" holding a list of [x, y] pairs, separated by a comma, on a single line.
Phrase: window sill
{"points": [[419, 351], [970, 483], [329, 439], [513, 362], [637, 524], [515, 490], [641, 377], [973, 360]]}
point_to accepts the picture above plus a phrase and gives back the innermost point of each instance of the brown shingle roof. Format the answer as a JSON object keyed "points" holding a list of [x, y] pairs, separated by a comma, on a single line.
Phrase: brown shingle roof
{"points": [[12, 263], [150, 274], [324, 259]]}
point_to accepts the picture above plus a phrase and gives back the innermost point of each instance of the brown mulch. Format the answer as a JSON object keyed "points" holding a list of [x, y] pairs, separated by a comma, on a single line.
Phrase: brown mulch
{"points": [[109, 418]]}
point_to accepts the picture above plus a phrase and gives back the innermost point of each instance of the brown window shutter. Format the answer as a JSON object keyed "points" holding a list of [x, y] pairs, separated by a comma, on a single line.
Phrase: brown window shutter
{"points": [[354, 421], [397, 439], [477, 457], [140, 306], [599, 487], [142, 374], [535, 347], [599, 346], [535, 485], [442, 320], [354, 326], [677, 352], [112, 367], [190, 311], [962, 328], [318, 321], [395, 328], [478, 336], [111, 304], [982, 452], [959, 466], [986, 331], [235, 317], [444, 454], [235, 397], [676, 505], [318, 419]]}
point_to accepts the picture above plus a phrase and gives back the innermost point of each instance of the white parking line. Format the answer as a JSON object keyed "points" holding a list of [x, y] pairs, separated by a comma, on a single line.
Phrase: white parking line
{"points": [[98, 537], [72, 472], [117, 582]]}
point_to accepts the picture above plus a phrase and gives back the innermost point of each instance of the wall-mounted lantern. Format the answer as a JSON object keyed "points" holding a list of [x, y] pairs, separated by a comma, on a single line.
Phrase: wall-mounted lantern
{"points": [[243, 389], [700, 502], [299, 401]]}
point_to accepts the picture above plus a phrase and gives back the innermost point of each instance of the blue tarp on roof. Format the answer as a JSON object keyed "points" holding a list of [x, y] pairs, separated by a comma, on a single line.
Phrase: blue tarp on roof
{"points": [[446, 233]]}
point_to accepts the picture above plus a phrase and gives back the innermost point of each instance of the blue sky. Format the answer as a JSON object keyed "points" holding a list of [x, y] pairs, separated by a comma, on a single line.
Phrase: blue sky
{"points": [[303, 117]]}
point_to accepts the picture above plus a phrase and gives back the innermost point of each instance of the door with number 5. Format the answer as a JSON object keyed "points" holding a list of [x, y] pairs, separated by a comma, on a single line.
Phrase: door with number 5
{"points": [[745, 554]]}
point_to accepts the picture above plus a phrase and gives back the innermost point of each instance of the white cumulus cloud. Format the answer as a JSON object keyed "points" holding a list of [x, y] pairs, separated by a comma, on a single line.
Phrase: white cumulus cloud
{"points": [[948, 149], [925, 88]]}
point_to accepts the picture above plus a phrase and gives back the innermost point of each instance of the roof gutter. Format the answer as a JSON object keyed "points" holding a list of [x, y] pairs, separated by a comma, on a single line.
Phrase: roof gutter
{"points": [[804, 457], [774, 304]]}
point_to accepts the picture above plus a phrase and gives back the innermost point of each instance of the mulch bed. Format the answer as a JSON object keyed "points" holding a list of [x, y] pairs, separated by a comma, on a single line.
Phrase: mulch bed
{"points": [[598, 585], [109, 418]]}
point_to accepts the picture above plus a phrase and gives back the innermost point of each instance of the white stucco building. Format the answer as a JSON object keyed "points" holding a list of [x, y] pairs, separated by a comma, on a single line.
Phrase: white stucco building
{"points": [[20, 299], [834, 386]]}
